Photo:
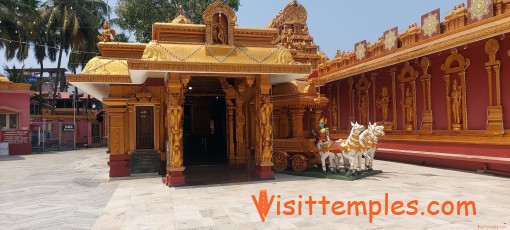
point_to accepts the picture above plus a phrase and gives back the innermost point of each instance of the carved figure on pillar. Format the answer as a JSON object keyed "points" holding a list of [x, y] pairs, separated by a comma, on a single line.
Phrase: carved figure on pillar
{"points": [[456, 105], [363, 107], [265, 120], [334, 114], [383, 103], [175, 112], [408, 106]]}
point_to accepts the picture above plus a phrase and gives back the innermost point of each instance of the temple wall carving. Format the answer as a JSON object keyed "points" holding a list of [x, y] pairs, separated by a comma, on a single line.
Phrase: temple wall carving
{"points": [[456, 92]]}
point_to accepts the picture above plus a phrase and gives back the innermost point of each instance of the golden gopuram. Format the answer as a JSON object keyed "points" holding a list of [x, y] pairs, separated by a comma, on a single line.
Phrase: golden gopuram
{"points": [[197, 94]]}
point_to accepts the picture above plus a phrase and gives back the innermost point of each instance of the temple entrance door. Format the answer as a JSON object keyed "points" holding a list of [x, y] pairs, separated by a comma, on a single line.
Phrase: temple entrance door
{"points": [[205, 139], [144, 127]]}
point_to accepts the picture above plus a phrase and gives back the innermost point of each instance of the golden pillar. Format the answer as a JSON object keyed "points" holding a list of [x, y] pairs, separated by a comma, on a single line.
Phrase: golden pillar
{"points": [[230, 145], [119, 159], [297, 122], [240, 122], [427, 119], [175, 96], [494, 110], [264, 145]]}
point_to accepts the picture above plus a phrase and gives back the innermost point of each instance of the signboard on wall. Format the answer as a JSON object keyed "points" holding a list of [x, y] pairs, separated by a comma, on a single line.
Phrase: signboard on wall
{"points": [[68, 128], [15, 136]]}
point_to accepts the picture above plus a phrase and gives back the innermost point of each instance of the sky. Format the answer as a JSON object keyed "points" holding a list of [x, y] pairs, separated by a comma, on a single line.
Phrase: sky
{"points": [[334, 24]]}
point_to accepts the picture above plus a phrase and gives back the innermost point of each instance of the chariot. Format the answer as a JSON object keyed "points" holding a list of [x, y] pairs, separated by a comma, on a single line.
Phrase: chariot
{"points": [[298, 109]]}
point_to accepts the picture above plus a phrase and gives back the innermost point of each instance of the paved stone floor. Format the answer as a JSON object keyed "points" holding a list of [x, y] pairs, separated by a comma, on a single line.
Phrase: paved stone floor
{"points": [[71, 190]]}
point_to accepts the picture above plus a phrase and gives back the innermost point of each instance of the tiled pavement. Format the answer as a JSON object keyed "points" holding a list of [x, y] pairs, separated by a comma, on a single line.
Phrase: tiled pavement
{"points": [[71, 190]]}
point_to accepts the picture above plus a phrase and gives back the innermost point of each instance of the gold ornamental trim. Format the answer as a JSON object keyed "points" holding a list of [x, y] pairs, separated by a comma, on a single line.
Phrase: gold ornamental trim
{"points": [[217, 67], [98, 78], [14, 86], [384, 61]]}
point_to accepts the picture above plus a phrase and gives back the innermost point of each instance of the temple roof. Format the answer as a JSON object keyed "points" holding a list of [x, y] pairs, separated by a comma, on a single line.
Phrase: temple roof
{"points": [[193, 50]]}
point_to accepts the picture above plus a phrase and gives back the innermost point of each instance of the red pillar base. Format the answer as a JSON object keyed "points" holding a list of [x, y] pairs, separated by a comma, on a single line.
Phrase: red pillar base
{"points": [[175, 179], [263, 173], [119, 165]]}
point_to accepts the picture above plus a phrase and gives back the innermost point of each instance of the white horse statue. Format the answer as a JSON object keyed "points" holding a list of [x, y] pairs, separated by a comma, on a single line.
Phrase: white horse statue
{"points": [[350, 148], [369, 140]]}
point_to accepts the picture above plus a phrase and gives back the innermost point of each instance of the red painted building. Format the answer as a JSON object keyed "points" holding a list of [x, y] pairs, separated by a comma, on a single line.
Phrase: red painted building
{"points": [[14, 118]]}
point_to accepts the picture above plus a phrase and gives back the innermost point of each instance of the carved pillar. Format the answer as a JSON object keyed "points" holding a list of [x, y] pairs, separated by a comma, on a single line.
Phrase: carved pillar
{"points": [[230, 130], [330, 111], [297, 122], [352, 116], [285, 130], [494, 110], [454, 69], [338, 104], [373, 77], [264, 147], [393, 73], [427, 119], [119, 159], [175, 97], [276, 122], [240, 126], [132, 134], [316, 116]]}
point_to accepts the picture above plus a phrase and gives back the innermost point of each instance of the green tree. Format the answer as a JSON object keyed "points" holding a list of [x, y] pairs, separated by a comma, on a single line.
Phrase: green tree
{"points": [[15, 75], [15, 30], [138, 16], [74, 22]]}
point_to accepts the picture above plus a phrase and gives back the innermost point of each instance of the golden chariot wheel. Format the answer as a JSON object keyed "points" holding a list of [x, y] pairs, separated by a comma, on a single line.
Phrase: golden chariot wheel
{"points": [[280, 161], [299, 163]]}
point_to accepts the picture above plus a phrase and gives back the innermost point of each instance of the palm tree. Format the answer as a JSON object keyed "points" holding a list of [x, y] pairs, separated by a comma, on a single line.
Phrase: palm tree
{"points": [[74, 21], [15, 30]]}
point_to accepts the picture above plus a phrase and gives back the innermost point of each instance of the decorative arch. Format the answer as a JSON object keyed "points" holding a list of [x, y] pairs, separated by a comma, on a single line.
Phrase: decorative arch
{"points": [[407, 79], [454, 70], [219, 14], [363, 99]]}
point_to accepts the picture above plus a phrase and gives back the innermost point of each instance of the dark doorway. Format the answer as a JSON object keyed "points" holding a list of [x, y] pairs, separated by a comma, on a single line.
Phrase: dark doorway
{"points": [[205, 134], [204, 131], [144, 127]]}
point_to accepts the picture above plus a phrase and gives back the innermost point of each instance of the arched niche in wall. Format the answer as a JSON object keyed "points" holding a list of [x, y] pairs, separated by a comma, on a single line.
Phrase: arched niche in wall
{"points": [[407, 79], [219, 20], [454, 70]]}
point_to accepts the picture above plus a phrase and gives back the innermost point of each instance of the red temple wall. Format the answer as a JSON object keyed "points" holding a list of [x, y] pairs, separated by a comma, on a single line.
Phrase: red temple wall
{"points": [[503, 54], [476, 88]]}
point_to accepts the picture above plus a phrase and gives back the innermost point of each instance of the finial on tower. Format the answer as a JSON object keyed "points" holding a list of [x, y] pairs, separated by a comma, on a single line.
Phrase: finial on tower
{"points": [[180, 10]]}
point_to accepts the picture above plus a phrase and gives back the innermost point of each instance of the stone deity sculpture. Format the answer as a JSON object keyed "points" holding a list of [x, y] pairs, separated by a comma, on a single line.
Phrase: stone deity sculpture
{"points": [[408, 105], [108, 34], [334, 113], [456, 102], [265, 120], [219, 32], [383, 103], [363, 108]]}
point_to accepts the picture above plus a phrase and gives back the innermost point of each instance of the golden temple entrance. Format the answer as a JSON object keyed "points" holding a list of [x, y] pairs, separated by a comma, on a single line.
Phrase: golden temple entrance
{"points": [[210, 89]]}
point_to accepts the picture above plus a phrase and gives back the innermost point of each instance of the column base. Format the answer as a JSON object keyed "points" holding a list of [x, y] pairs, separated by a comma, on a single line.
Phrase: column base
{"points": [[175, 179], [263, 173], [119, 165]]}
